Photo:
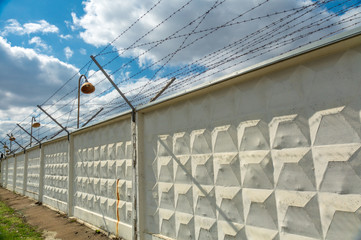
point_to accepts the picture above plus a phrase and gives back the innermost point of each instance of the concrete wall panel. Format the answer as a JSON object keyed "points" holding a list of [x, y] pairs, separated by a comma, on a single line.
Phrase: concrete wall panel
{"points": [[103, 174], [56, 175], [3, 172], [10, 174], [20, 168], [274, 158], [33, 177]]}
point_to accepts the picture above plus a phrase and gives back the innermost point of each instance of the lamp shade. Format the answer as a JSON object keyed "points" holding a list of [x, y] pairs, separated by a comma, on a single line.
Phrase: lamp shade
{"points": [[87, 88], [35, 125]]}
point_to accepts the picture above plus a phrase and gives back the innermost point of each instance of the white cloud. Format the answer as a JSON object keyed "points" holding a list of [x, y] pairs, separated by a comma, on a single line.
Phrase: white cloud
{"points": [[104, 20], [82, 51], [40, 26], [68, 52], [40, 44], [27, 79], [66, 37]]}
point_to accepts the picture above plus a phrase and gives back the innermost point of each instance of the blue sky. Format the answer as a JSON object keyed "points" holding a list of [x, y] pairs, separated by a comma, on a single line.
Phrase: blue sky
{"points": [[43, 43], [56, 13]]}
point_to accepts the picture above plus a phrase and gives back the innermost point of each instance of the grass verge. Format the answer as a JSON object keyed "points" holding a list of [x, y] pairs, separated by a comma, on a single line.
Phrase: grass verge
{"points": [[12, 225]]}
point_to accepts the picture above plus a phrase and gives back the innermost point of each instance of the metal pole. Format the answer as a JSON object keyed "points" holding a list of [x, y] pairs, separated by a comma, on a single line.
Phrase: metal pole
{"points": [[56, 134], [28, 133], [134, 154], [114, 85], [17, 143], [53, 119], [91, 118], [161, 91], [77, 123], [31, 130]]}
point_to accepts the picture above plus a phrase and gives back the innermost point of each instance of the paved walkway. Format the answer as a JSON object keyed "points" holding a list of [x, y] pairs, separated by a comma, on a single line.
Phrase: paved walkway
{"points": [[53, 224]]}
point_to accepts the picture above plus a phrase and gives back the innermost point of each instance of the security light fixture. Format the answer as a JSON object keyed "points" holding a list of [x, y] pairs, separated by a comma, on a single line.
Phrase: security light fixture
{"points": [[34, 123], [86, 88], [12, 138]]}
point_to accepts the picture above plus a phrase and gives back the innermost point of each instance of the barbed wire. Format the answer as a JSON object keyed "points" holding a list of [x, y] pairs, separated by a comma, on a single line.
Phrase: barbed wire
{"points": [[289, 29]]}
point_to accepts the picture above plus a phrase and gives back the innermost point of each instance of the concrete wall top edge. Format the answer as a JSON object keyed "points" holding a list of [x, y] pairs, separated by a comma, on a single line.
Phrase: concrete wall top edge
{"points": [[319, 48], [314, 50]]}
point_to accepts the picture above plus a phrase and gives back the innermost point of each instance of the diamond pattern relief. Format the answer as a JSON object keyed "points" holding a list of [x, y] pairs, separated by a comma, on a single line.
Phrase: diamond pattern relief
{"points": [[338, 169], [299, 214], [256, 169], [261, 181], [289, 132], [341, 215], [335, 126], [294, 169], [224, 139], [253, 135], [260, 208]]}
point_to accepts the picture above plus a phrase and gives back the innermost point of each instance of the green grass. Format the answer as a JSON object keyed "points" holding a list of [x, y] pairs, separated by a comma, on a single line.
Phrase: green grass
{"points": [[12, 226]]}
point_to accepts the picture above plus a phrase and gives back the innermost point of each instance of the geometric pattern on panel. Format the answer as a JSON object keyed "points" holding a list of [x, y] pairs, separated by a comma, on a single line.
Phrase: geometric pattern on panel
{"points": [[165, 169], [183, 198], [184, 226], [165, 145], [256, 233], [256, 169], [204, 201], [182, 169], [231, 231], [166, 195], [181, 143], [167, 223], [338, 168], [227, 169], [103, 174], [205, 228], [335, 126], [201, 141], [341, 215], [253, 135], [294, 169], [202, 169], [260, 209], [224, 139], [289, 132], [229, 204], [299, 214]]}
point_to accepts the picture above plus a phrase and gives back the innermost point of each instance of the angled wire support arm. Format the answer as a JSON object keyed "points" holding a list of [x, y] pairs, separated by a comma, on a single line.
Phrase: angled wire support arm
{"points": [[28, 133], [17, 143], [54, 120], [96, 114], [114, 85], [163, 89]]}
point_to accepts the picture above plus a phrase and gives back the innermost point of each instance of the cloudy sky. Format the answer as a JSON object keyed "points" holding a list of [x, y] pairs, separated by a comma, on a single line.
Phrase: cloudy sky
{"points": [[46, 45]]}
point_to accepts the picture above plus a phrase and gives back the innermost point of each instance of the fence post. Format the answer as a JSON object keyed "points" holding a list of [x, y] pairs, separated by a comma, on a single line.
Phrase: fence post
{"points": [[25, 180], [7, 173], [41, 174], [2, 172], [140, 175], [14, 174], [70, 200]]}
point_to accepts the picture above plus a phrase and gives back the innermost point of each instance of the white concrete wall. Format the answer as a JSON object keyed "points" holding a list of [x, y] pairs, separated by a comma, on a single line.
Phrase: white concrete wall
{"points": [[3, 172], [56, 175], [277, 157], [102, 160], [10, 175], [20, 167], [274, 157], [33, 175]]}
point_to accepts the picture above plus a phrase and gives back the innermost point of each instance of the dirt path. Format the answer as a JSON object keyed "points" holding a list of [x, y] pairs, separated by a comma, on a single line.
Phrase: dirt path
{"points": [[53, 224]]}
